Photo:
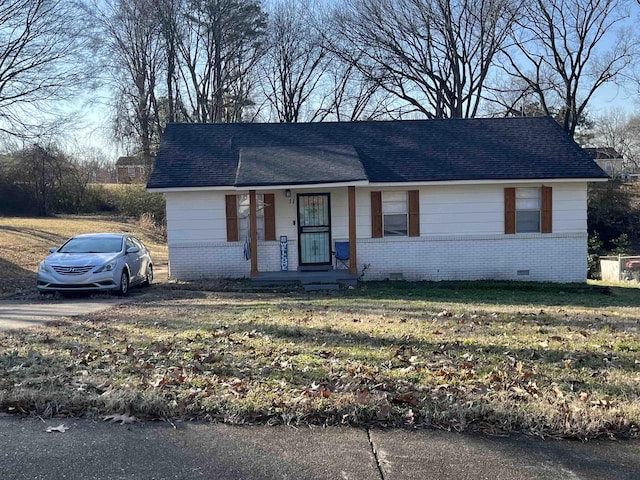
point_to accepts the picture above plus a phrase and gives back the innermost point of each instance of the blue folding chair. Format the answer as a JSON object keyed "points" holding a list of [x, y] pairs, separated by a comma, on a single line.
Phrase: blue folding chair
{"points": [[341, 254]]}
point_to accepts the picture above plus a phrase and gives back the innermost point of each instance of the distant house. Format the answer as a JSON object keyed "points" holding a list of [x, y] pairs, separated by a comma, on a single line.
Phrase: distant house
{"points": [[608, 159], [130, 169], [461, 199]]}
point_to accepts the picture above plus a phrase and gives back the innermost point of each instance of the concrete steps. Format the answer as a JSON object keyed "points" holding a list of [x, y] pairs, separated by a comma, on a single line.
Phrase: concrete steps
{"points": [[310, 280]]}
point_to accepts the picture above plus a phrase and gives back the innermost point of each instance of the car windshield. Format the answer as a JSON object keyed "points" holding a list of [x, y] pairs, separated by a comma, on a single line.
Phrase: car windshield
{"points": [[92, 245]]}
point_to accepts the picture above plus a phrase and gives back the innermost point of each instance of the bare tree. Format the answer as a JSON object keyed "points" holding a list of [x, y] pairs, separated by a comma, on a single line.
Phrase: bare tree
{"points": [[42, 60], [295, 61], [619, 130], [222, 43], [169, 15], [43, 173], [562, 55], [433, 55], [350, 96], [135, 55]]}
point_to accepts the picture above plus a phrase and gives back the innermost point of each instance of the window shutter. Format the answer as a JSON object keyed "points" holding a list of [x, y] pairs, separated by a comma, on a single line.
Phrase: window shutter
{"points": [[376, 214], [546, 220], [232, 218], [509, 210], [269, 216], [414, 213]]}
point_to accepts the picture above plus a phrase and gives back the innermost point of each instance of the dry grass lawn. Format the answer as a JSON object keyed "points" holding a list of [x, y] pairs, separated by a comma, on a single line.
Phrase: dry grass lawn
{"points": [[547, 360], [541, 361]]}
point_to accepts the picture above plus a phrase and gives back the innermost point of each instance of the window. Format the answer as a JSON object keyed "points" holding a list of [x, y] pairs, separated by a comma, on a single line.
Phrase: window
{"points": [[238, 220], [395, 214], [527, 210], [131, 171], [129, 243], [243, 216]]}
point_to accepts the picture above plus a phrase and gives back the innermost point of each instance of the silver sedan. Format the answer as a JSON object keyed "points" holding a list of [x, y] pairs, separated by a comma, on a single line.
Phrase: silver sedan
{"points": [[110, 262]]}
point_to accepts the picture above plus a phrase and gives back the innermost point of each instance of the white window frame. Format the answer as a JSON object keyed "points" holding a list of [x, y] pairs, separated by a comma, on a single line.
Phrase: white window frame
{"points": [[131, 171], [529, 204], [393, 206]]}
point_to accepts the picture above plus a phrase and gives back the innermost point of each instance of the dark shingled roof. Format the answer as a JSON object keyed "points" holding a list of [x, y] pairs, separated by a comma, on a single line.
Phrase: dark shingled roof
{"points": [[255, 154], [315, 164]]}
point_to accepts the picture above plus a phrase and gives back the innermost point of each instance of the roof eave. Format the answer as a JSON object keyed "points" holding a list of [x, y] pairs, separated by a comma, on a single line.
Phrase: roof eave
{"points": [[491, 181], [290, 186], [365, 183]]}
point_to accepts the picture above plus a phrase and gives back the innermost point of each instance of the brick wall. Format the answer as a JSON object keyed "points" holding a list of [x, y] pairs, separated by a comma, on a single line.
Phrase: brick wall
{"points": [[193, 261], [532, 257]]}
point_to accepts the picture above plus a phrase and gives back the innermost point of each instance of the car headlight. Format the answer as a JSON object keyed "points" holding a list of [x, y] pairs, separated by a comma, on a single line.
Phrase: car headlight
{"points": [[43, 267], [107, 267]]}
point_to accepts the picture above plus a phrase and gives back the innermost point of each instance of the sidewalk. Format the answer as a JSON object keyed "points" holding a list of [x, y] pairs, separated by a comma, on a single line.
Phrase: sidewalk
{"points": [[98, 450]]}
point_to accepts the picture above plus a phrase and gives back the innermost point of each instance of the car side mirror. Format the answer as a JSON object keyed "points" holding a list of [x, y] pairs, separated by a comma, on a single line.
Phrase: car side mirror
{"points": [[133, 250], [53, 250]]}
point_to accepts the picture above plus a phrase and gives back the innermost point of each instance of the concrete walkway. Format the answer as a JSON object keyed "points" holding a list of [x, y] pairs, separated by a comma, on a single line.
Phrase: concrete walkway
{"points": [[16, 314], [35, 310], [98, 450]]}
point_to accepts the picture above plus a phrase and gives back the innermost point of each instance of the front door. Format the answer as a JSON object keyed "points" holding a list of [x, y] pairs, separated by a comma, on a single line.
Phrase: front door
{"points": [[314, 229]]}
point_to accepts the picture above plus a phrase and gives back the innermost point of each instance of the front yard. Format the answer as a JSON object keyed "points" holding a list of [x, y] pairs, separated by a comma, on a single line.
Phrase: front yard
{"points": [[547, 360]]}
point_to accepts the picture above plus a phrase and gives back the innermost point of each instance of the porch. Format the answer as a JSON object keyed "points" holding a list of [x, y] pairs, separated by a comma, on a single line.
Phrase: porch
{"points": [[313, 231], [310, 280]]}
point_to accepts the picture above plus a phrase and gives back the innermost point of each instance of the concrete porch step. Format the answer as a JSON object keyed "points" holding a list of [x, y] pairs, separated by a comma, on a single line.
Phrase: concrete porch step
{"points": [[331, 277], [314, 287]]}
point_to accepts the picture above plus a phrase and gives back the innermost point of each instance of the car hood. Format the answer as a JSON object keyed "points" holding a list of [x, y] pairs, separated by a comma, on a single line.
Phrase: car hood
{"points": [[80, 259]]}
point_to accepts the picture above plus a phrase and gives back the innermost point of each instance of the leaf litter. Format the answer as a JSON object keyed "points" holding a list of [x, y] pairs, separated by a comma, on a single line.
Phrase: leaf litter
{"points": [[242, 359]]}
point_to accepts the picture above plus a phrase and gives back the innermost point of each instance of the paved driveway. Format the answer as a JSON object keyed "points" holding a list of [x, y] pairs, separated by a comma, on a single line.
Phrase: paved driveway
{"points": [[36, 310], [16, 314]]}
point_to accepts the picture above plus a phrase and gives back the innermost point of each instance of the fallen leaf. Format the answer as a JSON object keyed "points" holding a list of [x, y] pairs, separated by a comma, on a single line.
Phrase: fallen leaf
{"points": [[384, 411], [124, 418], [362, 396], [60, 428], [409, 398]]}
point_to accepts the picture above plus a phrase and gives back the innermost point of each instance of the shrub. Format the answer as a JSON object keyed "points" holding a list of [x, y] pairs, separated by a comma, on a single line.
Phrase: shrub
{"points": [[134, 201], [595, 249]]}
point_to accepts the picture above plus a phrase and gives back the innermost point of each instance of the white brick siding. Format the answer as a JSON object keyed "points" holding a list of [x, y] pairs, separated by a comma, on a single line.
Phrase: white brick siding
{"points": [[193, 261], [461, 230], [537, 257]]}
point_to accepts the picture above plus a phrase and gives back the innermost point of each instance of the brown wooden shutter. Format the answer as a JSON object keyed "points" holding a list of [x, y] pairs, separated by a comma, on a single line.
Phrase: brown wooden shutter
{"points": [[509, 210], [547, 218], [414, 213], [376, 214], [269, 216], [232, 218]]}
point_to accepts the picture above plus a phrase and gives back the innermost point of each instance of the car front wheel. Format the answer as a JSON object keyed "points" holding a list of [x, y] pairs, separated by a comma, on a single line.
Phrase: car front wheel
{"points": [[123, 288]]}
